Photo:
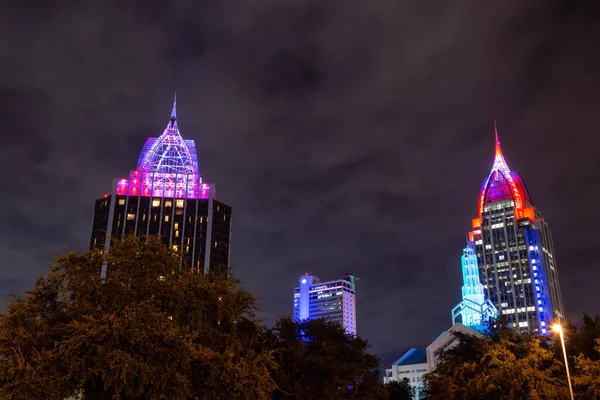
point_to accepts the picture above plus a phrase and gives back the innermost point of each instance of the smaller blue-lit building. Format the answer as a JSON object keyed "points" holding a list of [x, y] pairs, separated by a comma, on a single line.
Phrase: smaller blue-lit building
{"points": [[412, 366], [474, 311], [334, 300]]}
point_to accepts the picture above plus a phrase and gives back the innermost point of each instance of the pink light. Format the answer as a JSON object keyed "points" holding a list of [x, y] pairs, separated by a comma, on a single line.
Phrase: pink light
{"points": [[157, 185], [122, 186], [501, 167]]}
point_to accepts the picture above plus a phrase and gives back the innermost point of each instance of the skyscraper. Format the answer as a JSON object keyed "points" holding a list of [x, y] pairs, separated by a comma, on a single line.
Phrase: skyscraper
{"points": [[474, 311], [333, 300], [515, 251], [166, 196]]}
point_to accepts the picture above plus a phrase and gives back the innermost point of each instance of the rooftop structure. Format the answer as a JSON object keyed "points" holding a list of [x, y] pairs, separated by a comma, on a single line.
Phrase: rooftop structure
{"points": [[166, 196]]}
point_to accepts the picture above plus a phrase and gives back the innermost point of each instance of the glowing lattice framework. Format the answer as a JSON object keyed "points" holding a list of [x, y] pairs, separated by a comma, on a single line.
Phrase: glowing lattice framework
{"points": [[167, 167], [474, 310], [503, 184]]}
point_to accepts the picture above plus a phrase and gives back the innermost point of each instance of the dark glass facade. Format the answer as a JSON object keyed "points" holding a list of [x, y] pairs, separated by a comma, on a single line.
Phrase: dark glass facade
{"points": [[197, 228]]}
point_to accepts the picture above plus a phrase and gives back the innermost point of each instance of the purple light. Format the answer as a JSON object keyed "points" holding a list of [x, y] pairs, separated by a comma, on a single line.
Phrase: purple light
{"points": [[167, 167]]}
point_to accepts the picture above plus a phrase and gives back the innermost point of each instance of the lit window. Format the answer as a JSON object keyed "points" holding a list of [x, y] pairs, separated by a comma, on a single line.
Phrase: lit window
{"points": [[166, 218], [121, 202], [130, 217], [156, 203], [176, 225], [176, 233], [168, 203], [175, 247], [179, 203]]}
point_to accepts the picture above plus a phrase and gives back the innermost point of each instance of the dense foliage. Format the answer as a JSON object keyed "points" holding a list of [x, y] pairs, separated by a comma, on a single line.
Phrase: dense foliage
{"points": [[399, 390], [151, 330], [154, 330], [506, 365], [318, 360]]}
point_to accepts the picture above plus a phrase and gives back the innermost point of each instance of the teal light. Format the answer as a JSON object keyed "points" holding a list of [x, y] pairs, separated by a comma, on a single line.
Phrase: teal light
{"points": [[474, 311]]}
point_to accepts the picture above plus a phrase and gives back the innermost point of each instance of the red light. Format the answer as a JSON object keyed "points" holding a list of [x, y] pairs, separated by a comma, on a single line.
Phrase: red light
{"points": [[529, 213]]}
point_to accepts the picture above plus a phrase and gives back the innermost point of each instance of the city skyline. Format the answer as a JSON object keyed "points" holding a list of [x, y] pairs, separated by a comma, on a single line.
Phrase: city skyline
{"points": [[345, 138]]}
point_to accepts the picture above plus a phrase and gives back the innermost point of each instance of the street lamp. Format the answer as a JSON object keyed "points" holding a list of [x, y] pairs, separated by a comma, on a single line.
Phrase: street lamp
{"points": [[558, 328]]}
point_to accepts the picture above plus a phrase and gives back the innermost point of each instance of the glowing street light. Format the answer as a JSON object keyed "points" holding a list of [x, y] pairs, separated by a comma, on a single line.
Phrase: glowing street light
{"points": [[558, 329]]}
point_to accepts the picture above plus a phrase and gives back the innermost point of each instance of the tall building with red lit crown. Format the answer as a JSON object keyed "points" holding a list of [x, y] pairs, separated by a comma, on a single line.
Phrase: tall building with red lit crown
{"points": [[515, 252]]}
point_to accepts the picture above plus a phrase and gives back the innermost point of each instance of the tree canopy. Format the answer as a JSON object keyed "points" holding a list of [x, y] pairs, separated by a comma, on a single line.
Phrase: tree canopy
{"points": [[506, 364], [502, 366], [154, 330], [317, 360], [150, 330], [399, 390]]}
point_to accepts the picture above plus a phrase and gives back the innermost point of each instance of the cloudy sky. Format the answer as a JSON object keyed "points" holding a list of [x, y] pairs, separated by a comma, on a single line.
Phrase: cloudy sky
{"points": [[349, 136]]}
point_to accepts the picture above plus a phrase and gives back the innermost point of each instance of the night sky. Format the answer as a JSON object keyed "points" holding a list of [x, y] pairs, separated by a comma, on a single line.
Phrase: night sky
{"points": [[349, 136]]}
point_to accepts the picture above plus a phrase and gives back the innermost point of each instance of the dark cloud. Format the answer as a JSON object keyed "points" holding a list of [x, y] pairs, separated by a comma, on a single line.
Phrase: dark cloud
{"points": [[347, 135]]}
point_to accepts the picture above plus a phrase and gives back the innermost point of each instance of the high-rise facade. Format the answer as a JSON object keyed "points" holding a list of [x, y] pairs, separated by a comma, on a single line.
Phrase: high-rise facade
{"points": [[166, 196], [475, 310], [333, 300], [515, 252]]}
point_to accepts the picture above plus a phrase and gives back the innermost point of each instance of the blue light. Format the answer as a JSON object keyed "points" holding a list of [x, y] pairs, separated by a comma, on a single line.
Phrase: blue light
{"points": [[474, 311]]}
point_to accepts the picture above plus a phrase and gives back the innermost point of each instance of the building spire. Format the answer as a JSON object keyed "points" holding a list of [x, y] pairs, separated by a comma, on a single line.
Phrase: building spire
{"points": [[496, 132], [498, 151], [174, 111]]}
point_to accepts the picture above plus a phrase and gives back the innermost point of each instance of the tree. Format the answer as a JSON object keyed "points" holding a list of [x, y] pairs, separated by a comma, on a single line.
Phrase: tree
{"points": [[150, 330], [586, 377], [399, 390], [586, 380], [585, 340], [318, 360], [504, 365]]}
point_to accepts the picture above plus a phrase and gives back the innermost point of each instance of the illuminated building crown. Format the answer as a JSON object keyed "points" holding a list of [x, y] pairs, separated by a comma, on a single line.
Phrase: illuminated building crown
{"points": [[169, 153], [167, 167], [503, 184]]}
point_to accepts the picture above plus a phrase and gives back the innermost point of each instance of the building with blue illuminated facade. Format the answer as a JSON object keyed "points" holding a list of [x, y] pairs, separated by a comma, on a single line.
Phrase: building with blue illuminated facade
{"points": [[334, 301], [474, 311], [515, 252], [166, 196]]}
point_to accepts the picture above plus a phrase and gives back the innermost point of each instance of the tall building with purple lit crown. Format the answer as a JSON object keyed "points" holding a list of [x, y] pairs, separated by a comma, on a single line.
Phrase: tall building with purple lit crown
{"points": [[515, 252], [166, 196]]}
